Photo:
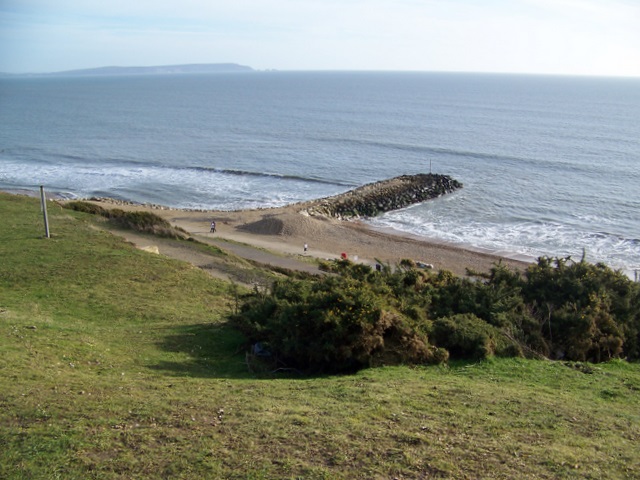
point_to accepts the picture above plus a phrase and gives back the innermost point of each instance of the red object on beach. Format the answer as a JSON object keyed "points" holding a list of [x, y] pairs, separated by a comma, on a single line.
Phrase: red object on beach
{"points": [[343, 256]]}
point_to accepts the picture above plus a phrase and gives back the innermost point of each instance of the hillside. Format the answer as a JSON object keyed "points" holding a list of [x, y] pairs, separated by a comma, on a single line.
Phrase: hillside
{"points": [[118, 363]]}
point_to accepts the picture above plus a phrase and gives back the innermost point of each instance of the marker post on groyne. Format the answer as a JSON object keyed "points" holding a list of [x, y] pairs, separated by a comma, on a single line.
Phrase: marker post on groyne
{"points": [[43, 202]]}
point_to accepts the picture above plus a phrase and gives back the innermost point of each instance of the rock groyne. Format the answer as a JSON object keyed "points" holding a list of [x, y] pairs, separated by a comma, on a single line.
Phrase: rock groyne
{"points": [[384, 196]]}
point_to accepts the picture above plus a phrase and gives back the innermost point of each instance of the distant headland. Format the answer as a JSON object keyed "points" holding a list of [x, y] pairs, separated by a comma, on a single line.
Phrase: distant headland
{"points": [[154, 70]]}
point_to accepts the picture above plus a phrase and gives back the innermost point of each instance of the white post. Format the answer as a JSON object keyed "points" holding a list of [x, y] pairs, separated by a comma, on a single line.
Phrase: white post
{"points": [[43, 201]]}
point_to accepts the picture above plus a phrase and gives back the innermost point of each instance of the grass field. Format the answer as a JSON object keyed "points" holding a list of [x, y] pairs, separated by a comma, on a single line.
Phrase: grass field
{"points": [[117, 363]]}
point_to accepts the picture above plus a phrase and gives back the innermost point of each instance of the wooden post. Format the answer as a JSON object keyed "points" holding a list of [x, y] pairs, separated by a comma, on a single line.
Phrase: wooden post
{"points": [[43, 201]]}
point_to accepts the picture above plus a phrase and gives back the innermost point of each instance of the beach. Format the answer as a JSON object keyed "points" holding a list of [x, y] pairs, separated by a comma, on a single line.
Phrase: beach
{"points": [[285, 231]]}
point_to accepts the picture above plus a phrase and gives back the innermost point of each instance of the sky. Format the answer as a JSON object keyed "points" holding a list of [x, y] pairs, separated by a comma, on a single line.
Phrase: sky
{"points": [[562, 37]]}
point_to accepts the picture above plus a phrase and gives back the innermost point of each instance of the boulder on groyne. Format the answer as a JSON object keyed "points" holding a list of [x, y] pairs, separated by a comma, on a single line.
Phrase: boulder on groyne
{"points": [[383, 196]]}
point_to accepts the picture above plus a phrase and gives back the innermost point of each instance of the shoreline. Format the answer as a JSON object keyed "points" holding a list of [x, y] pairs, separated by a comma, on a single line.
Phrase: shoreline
{"points": [[518, 257], [285, 230], [327, 237]]}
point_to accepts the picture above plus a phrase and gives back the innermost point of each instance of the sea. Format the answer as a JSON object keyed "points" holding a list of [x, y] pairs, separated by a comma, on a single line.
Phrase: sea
{"points": [[550, 164]]}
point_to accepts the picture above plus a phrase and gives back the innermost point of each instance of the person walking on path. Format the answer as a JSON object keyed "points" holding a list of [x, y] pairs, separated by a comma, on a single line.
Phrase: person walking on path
{"points": [[306, 247], [213, 227]]}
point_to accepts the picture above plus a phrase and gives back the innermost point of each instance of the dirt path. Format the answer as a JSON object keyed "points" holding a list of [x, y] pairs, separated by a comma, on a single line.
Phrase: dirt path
{"points": [[219, 266], [262, 256]]}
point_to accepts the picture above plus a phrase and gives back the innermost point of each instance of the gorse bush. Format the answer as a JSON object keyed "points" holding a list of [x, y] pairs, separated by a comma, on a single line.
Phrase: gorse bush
{"points": [[589, 312], [359, 317], [337, 324], [467, 336]]}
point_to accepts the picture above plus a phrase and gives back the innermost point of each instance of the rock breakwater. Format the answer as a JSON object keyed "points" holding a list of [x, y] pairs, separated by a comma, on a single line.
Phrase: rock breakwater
{"points": [[383, 196]]}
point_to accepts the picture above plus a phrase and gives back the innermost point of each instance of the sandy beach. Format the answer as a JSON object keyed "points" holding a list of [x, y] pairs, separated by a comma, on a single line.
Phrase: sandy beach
{"points": [[286, 230]]}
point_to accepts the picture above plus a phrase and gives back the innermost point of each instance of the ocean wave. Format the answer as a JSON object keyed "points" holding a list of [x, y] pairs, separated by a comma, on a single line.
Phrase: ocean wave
{"points": [[521, 161], [190, 186], [114, 165], [424, 149], [248, 173], [531, 239]]}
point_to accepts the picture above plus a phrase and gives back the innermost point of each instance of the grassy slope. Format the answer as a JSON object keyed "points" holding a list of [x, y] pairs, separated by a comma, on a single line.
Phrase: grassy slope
{"points": [[116, 363]]}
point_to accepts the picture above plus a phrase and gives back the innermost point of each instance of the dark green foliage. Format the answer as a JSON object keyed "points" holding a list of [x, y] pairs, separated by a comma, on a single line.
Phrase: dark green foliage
{"points": [[140, 221], [467, 336], [589, 312], [335, 325], [87, 207], [360, 317]]}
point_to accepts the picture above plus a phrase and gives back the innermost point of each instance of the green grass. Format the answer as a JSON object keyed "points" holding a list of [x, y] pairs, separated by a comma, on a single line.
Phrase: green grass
{"points": [[116, 363]]}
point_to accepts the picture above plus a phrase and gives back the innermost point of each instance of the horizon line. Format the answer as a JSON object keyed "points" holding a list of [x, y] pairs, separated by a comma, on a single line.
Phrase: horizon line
{"points": [[86, 71]]}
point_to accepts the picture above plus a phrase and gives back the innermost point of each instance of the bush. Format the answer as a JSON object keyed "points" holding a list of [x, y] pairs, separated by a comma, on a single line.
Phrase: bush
{"points": [[87, 207], [359, 317], [145, 222], [589, 312], [467, 336], [337, 324]]}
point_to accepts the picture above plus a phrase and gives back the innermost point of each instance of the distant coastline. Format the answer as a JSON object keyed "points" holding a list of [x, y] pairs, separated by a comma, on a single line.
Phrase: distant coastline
{"points": [[187, 69]]}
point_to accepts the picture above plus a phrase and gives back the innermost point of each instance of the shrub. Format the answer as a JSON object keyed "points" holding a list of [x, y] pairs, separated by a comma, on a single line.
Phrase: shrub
{"points": [[146, 222], [86, 207], [467, 336], [337, 324], [359, 317], [589, 312]]}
